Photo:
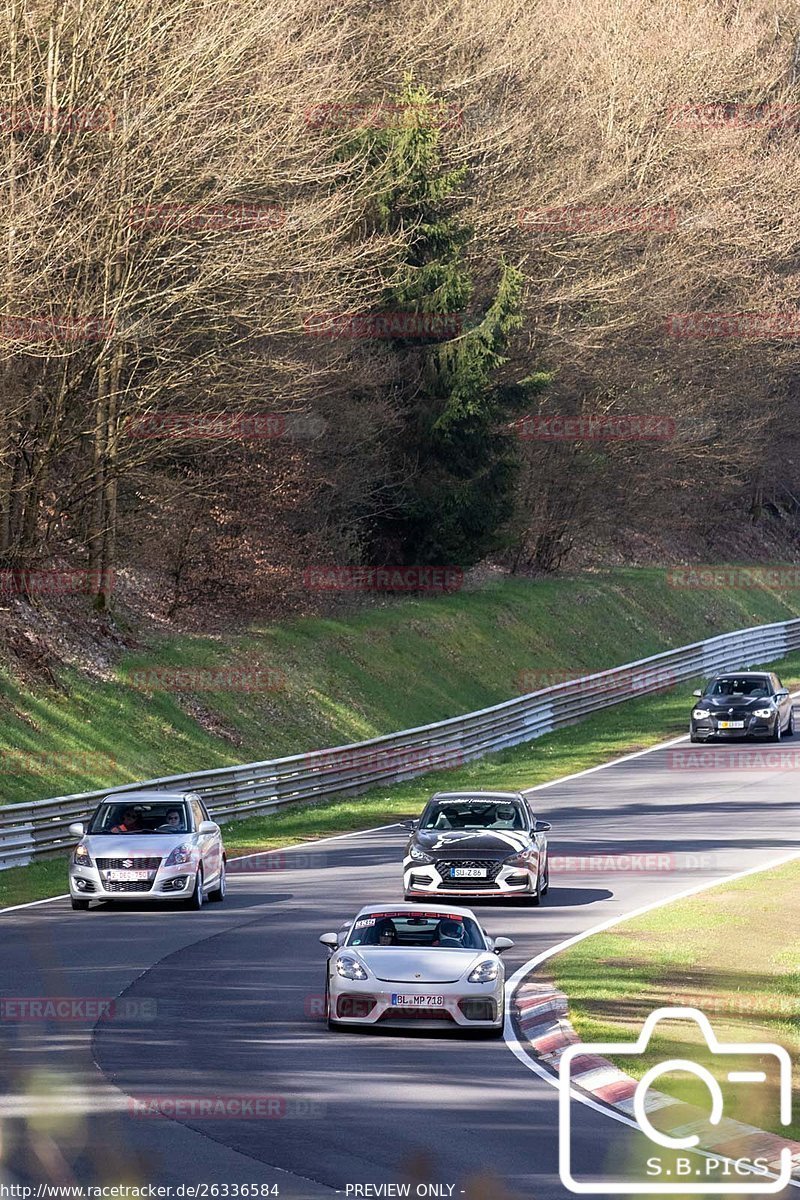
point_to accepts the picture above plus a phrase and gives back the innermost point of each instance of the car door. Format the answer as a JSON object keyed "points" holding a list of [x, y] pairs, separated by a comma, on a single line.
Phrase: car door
{"points": [[209, 843], [784, 702]]}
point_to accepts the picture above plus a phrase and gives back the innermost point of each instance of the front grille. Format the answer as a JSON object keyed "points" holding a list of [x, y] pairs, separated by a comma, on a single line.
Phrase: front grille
{"points": [[491, 866], [401, 1012], [131, 864], [128, 885]]}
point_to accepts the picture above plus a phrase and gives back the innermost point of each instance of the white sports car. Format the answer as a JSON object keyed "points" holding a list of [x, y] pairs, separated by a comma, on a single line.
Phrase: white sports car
{"points": [[412, 965]]}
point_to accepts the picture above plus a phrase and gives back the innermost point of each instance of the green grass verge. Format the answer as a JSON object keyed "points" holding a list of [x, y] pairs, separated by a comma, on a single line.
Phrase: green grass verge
{"points": [[379, 669], [623, 729], [730, 952]]}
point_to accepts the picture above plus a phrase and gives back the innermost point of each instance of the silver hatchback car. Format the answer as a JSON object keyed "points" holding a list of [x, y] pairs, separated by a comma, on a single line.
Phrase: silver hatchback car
{"points": [[148, 846]]}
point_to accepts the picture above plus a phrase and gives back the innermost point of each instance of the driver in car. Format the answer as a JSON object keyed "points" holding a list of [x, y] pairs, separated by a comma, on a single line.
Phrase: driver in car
{"points": [[387, 934], [131, 822], [173, 823], [451, 933]]}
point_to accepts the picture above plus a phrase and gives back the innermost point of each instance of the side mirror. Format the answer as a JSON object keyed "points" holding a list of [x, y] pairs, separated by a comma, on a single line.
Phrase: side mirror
{"points": [[697, 692], [330, 940], [410, 825], [207, 827], [77, 829], [501, 944], [542, 827], [782, 694]]}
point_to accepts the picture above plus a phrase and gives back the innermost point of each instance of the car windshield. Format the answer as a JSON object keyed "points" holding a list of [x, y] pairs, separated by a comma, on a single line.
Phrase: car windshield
{"points": [[403, 929], [473, 814], [140, 818], [740, 685]]}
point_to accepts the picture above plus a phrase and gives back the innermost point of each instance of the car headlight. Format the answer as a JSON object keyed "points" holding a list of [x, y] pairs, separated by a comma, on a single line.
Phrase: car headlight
{"points": [[517, 860], [763, 712], [700, 714], [350, 968], [419, 855], [81, 857], [178, 856], [485, 972]]}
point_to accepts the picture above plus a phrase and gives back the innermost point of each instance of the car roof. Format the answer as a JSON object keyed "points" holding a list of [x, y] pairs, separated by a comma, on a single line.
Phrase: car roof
{"points": [[741, 675], [477, 796], [423, 906], [144, 797]]}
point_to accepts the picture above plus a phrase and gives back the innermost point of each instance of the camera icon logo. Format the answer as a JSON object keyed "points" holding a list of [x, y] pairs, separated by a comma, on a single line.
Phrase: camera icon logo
{"points": [[752, 1177]]}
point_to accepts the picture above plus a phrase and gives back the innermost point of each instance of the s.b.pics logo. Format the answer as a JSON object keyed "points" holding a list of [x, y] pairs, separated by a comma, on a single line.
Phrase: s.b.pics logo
{"points": [[693, 1147]]}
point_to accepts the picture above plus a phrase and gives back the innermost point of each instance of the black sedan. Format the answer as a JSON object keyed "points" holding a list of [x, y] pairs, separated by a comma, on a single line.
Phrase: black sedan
{"points": [[742, 705], [476, 844]]}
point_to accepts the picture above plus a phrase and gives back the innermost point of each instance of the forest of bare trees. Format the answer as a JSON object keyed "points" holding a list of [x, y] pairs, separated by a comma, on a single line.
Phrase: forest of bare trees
{"points": [[212, 209]]}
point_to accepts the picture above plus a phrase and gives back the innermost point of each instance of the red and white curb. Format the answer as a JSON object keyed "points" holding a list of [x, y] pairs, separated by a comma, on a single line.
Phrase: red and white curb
{"points": [[539, 1013]]}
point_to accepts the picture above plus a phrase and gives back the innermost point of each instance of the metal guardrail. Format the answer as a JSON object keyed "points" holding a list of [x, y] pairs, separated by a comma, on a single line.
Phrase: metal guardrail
{"points": [[39, 828]]}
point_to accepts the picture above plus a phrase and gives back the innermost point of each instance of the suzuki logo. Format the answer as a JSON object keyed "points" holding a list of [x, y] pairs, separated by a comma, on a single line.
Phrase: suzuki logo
{"points": [[127, 862]]}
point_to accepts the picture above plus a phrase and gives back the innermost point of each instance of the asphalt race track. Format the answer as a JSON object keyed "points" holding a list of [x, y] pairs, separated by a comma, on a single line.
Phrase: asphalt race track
{"points": [[226, 1002]]}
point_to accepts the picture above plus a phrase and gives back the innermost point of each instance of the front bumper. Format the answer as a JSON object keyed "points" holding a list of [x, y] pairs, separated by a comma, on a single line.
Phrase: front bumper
{"points": [[433, 879], [372, 1002], [164, 884], [754, 727]]}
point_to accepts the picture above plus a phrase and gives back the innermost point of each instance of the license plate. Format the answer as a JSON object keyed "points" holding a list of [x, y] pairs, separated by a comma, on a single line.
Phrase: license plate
{"points": [[127, 876], [468, 872], [731, 724], [403, 999]]}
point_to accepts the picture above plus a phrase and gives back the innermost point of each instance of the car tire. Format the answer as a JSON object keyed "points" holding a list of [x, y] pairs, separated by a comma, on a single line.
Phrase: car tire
{"points": [[790, 724], [776, 736], [694, 738], [546, 884], [218, 894], [195, 902], [79, 905]]}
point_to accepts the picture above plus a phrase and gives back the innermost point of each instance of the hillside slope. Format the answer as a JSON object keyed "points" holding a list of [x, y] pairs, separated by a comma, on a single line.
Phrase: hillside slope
{"points": [[316, 682]]}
